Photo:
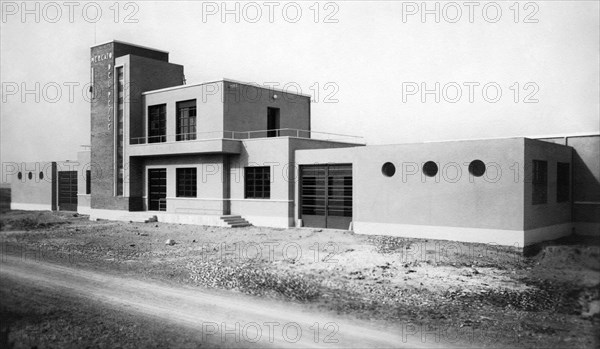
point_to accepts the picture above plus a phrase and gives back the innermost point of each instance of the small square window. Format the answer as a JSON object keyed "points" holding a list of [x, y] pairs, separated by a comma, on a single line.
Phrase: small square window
{"points": [[186, 182], [257, 182]]}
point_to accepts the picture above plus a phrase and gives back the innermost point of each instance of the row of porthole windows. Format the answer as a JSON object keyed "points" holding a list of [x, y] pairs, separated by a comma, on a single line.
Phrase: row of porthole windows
{"points": [[30, 175], [430, 168]]}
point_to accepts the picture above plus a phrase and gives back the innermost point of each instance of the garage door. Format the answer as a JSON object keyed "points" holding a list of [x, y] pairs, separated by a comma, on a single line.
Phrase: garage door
{"points": [[67, 190], [326, 195]]}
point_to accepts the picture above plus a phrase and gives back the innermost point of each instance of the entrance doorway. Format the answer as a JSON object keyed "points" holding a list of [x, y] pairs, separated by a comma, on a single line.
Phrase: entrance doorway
{"points": [[272, 122], [157, 189], [67, 190]]}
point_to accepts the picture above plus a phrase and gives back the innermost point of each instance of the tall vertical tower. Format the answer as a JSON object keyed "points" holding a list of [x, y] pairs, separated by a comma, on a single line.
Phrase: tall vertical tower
{"points": [[120, 73]]}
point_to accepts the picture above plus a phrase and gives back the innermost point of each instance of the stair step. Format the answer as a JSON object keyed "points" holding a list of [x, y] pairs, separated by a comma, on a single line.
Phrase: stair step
{"points": [[235, 221], [240, 225]]}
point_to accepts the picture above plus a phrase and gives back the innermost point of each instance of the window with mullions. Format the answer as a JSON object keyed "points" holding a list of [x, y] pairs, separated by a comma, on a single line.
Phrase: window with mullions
{"points": [[186, 182], [120, 130], [257, 182], [540, 182], [186, 120], [157, 123]]}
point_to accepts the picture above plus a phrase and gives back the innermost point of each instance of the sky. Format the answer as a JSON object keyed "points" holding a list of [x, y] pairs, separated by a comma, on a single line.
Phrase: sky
{"points": [[391, 72]]}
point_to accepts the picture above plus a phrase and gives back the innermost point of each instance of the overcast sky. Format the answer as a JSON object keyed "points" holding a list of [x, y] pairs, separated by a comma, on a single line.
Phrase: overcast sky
{"points": [[369, 60]]}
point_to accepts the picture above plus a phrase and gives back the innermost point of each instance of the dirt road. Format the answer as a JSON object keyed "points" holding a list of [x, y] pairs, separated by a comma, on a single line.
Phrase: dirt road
{"points": [[223, 318]]}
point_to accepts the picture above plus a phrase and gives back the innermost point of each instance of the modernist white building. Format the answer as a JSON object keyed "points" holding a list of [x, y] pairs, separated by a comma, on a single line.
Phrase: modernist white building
{"points": [[229, 153]]}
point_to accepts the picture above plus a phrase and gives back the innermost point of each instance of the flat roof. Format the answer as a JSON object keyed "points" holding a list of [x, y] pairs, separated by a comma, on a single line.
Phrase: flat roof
{"points": [[130, 44], [224, 80]]}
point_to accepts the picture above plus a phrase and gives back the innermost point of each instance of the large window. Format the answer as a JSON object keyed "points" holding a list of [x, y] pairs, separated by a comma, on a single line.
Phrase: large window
{"points": [[186, 120], [540, 182], [157, 123], [186, 182], [563, 182], [258, 182]]}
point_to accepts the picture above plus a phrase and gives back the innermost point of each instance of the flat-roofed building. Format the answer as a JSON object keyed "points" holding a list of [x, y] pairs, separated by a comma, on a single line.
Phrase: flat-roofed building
{"points": [[231, 153]]}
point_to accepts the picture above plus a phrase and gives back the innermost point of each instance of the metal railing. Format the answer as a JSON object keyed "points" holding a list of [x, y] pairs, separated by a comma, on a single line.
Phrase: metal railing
{"points": [[242, 135]]}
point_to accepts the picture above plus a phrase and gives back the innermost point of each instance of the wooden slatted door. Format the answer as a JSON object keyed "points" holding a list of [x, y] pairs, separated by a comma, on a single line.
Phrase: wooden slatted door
{"points": [[157, 189], [326, 195], [67, 190]]}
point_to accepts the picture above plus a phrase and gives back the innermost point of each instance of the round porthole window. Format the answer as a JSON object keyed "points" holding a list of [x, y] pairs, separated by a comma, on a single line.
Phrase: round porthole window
{"points": [[477, 168], [41, 175], [20, 175], [430, 169], [30, 175], [388, 169]]}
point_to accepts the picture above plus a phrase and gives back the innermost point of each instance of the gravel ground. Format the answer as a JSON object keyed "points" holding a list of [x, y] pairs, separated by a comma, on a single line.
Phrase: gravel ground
{"points": [[476, 294]]}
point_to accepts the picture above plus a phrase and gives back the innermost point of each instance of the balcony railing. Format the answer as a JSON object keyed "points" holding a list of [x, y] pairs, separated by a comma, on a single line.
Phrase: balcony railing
{"points": [[242, 135]]}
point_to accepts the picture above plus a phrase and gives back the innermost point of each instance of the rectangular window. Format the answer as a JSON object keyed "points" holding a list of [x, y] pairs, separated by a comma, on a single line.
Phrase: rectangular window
{"points": [[119, 130], [186, 182], [563, 181], [157, 123], [186, 120], [257, 182], [540, 182], [88, 182], [272, 122]]}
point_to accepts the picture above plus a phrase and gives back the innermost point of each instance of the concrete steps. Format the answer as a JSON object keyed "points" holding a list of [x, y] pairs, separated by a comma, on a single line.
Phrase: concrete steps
{"points": [[235, 221]]}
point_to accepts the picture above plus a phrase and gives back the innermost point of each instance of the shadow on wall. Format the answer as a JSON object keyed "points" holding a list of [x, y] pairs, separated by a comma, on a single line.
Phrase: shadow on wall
{"points": [[586, 187]]}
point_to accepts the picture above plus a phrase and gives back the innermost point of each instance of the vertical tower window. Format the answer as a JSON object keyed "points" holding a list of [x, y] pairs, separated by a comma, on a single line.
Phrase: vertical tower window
{"points": [[88, 181], [563, 182], [157, 123], [539, 182], [186, 120], [119, 130]]}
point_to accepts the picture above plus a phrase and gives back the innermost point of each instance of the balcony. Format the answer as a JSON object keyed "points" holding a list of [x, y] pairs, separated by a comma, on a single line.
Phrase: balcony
{"points": [[228, 142]]}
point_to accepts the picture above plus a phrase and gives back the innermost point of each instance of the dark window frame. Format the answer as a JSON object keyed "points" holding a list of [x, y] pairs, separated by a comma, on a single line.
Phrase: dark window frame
{"points": [[88, 182], [563, 182], [187, 182], [186, 120], [539, 182], [157, 117], [273, 121], [257, 182]]}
